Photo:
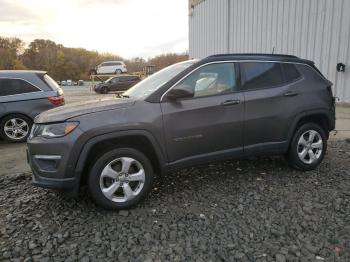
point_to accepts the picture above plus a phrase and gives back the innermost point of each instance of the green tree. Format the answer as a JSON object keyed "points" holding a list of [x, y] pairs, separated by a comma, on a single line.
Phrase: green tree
{"points": [[10, 49]]}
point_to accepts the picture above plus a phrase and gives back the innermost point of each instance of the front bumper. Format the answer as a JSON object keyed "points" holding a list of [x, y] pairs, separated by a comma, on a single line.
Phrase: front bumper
{"points": [[53, 162], [97, 89], [61, 184]]}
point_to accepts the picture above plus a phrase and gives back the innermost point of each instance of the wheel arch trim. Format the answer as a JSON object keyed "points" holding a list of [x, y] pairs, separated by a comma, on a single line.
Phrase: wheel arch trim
{"points": [[299, 117], [16, 113], [84, 152]]}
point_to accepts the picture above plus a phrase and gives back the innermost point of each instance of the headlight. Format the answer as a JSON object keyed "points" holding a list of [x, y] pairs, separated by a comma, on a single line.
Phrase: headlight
{"points": [[53, 130]]}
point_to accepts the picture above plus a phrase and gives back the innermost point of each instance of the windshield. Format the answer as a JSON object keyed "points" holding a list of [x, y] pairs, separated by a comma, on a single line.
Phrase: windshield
{"points": [[155, 81], [109, 79]]}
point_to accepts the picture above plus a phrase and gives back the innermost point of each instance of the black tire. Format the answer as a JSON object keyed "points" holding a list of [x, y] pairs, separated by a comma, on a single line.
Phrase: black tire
{"points": [[93, 72], [104, 90], [94, 177], [23, 118], [118, 72], [292, 155]]}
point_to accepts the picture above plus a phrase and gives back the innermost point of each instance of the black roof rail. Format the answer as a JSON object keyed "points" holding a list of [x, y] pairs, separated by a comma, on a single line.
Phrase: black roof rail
{"points": [[254, 54]]}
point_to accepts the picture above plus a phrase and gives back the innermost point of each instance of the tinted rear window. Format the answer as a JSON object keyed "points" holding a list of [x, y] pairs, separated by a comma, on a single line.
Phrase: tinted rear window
{"points": [[15, 87], [262, 74], [290, 72]]}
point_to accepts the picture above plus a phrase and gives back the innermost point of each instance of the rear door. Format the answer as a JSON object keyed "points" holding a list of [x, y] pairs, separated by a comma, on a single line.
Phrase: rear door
{"points": [[20, 96], [272, 100], [210, 124]]}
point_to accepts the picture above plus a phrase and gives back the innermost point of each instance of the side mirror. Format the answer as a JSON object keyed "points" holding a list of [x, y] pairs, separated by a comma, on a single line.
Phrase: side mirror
{"points": [[181, 91]]}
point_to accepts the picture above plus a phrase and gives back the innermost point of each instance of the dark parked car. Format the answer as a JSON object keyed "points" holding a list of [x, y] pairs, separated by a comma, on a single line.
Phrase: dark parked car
{"points": [[117, 83], [190, 113], [23, 95]]}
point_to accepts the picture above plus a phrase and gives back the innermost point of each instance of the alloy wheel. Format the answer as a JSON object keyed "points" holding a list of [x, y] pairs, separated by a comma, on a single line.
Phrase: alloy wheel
{"points": [[122, 179], [310, 146], [16, 128]]}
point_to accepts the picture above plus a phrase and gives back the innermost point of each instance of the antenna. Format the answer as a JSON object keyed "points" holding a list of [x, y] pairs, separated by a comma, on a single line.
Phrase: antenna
{"points": [[273, 50]]}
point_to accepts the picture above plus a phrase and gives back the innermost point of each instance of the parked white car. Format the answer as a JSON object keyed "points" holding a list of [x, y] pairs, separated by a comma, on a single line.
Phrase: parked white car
{"points": [[110, 67]]}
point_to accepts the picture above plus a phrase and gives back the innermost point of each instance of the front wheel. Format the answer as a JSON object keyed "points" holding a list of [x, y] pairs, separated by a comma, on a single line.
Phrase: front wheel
{"points": [[118, 72], [308, 147], [104, 90], [120, 178]]}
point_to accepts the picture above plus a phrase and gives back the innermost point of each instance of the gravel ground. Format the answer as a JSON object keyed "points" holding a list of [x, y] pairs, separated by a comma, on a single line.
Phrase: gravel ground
{"points": [[247, 210]]}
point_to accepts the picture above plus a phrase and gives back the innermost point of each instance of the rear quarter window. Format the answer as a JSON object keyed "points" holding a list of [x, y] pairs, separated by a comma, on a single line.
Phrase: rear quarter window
{"points": [[9, 86], [291, 74]]}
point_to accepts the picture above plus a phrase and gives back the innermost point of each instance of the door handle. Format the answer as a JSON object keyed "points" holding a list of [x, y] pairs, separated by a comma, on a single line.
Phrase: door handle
{"points": [[290, 93], [230, 102]]}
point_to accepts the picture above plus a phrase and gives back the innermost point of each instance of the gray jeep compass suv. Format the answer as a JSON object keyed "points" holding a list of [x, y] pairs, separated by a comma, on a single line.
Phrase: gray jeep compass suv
{"points": [[23, 95], [190, 113]]}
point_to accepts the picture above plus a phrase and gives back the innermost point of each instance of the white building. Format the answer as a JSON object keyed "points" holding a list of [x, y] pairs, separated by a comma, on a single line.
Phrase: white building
{"points": [[318, 30]]}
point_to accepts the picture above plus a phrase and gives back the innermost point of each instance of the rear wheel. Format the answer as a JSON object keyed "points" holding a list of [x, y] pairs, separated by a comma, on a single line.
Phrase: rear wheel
{"points": [[120, 178], [15, 128], [308, 147]]}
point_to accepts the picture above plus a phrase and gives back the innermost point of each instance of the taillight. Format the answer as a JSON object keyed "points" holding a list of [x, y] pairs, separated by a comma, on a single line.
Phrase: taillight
{"points": [[56, 100]]}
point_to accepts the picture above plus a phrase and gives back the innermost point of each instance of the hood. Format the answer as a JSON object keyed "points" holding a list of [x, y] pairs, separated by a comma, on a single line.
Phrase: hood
{"points": [[65, 112]]}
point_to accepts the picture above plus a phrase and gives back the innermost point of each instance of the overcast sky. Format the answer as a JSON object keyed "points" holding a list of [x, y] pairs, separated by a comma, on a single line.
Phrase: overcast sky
{"points": [[128, 28]]}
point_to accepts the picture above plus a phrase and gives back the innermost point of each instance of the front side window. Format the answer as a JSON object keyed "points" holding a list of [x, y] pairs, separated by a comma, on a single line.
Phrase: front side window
{"points": [[15, 87], [260, 75], [115, 80], [212, 79]]}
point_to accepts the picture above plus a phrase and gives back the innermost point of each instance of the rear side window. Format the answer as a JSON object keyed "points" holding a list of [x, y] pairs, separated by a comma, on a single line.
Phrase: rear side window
{"points": [[260, 75], [290, 72], [115, 80], [15, 87]]}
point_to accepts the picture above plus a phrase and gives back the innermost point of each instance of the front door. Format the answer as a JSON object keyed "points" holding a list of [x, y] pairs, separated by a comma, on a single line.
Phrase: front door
{"points": [[210, 124]]}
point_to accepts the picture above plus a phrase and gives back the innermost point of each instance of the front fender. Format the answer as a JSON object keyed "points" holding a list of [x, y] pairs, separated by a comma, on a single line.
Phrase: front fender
{"points": [[84, 152]]}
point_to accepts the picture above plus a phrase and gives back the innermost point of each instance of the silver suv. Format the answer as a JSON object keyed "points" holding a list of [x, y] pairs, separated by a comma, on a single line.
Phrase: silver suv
{"points": [[190, 113], [24, 95]]}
